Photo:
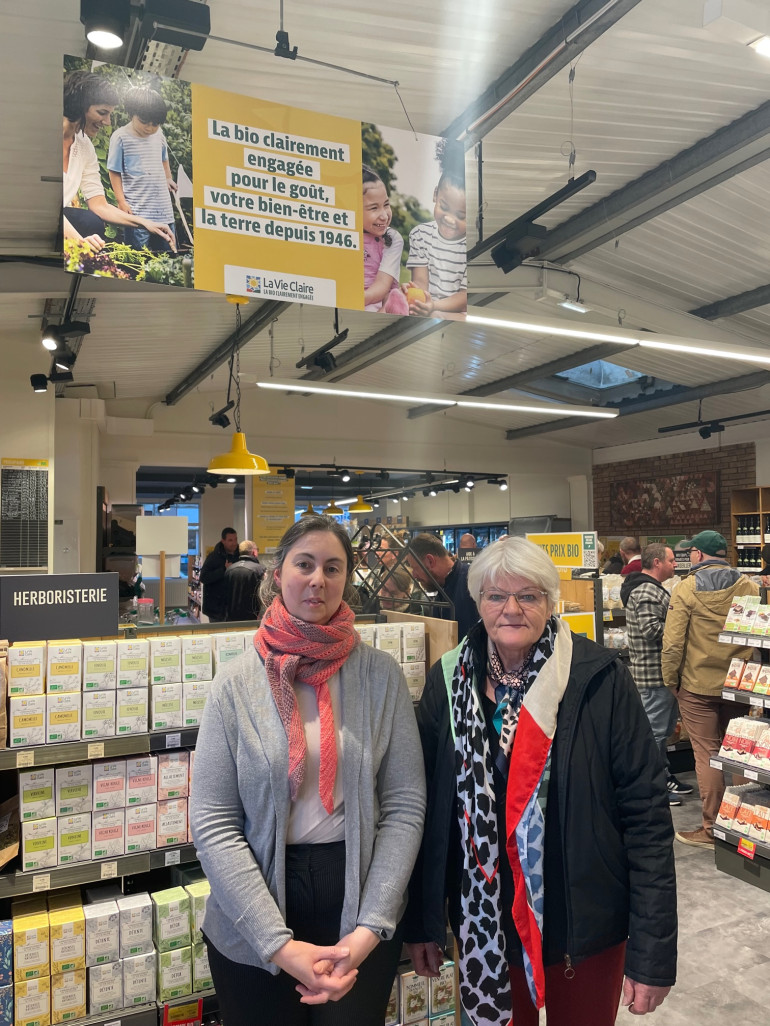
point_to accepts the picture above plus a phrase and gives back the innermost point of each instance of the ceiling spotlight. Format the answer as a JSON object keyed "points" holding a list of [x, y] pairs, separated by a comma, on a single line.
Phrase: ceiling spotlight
{"points": [[106, 22], [288, 473], [220, 418], [394, 499], [470, 483], [196, 487], [39, 382], [405, 497], [710, 429], [432, 493], [65, 360], [503, 485], [345, 475], [231, 480], [184, 496], [52, 339], [456, 488], [58, 377], [376, 503], [429, 478], [383, 475]]}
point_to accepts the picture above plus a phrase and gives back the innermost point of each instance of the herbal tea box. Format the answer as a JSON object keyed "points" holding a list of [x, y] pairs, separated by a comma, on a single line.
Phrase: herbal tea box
{"points": [[174, 974], [412, 642], [388, 638], [442, 990], [109, 784], [197, 657], [141, 828], [133, 658], [194, 696], [6, 953], [105, 988], [166, 706], [68, 939], [74, 789], [102, 933], [166, 660], [74, 838], [100, 665], [109, 834], [62, 717], [226, 648], [201, 970], [68, 996], [38, 845], [414, 997], [171, 919], [141, 780], [64, 666], [392, 1018], [415, 679], [27, 721], [31, 958], [135, 925], [173, 775], [6, 1006], [36, 794], [33, 1002], [366, 631], [98, 714], [172, 823], [198, 892], [132, 711], [26, 669], [139, 979]]}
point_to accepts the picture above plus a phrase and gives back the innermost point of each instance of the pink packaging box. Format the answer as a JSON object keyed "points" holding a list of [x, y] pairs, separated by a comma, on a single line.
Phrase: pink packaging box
{"points": [[173, 775], [172, 823]]}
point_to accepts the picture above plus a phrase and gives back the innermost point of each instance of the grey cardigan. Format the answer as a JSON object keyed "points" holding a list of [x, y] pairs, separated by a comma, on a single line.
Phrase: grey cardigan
{"points": [[239, 808]]}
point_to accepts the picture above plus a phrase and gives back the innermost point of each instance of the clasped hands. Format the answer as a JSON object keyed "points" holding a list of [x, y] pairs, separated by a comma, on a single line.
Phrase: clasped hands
{"points": [[326, 973]]}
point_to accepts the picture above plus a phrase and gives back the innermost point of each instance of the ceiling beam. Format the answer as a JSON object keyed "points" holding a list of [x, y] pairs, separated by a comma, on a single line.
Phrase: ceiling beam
{"points": [[555, 50], [734, 304], [543, 370], [756, 379], [259, 320], [728, 152]]}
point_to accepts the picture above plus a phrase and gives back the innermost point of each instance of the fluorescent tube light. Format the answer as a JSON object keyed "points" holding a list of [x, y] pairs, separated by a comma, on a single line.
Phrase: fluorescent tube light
{"points": [[352, 393], [569, 304], [762, 46]]}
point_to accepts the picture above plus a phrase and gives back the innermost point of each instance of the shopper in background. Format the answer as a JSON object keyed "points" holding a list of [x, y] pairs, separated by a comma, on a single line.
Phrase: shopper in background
{"points": [[396, 591], [308, 846], [451, 574], [694, 664], [646, 603], [548, 826], [631, 554], [242, 581], [212, 575], [614, 564]]}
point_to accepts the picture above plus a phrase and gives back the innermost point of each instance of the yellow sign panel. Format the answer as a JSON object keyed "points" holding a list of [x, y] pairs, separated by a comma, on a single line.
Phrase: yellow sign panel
{"points": [[577, 549], [581, 623], [24, 464], [272, 510]]}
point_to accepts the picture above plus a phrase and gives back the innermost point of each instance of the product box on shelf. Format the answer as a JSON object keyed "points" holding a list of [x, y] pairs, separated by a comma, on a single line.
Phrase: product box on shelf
{"points": [[102, 933], [26, 669], [6, 953], [109, 784], [174, 973], [201, 970], [447, 1019], [166, 706], [415, 679], [141, 828], [74, 789], [226, 648], [68, 996], [68, 939], [31, 955], [412, 642], [413, 997], [366, 630], [140, 979], [172, 823], [36, 794], [109, 834], [74, 838], [6, 1006], [62, 717], [392, 1018], [105, 987], [192, 765], [762, 683], [98, 714], [740, 738], [750, 608], [198, 891], [762, 620], [135, 924], [759, 821], [100, 665], [387, 637], [760, 755], [166, 660], [26, 716], [734, 673], [171, 919], [194, 697], [133, 663], [132, 711], [142, 780], [38, 845], [441, 996], [32, 1000], [197, 657], [173, 775], [749, 677], [64, 666]]}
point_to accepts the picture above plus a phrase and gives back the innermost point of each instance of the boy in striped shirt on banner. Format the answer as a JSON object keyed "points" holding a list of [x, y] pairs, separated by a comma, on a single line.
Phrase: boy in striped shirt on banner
{"points": [[437, 251], [139, 169]]}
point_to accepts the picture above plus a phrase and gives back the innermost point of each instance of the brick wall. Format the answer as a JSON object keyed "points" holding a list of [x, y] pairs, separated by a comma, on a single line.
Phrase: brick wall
{"points": [[735, 466]]}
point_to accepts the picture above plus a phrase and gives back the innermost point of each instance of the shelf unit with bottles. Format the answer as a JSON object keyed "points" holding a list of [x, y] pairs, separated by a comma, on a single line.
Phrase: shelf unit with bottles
{"points": [[750, 520]]}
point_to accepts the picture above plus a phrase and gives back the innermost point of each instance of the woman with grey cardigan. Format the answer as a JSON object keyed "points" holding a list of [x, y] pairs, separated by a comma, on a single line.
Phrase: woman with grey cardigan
{"points": [[308, 803]]}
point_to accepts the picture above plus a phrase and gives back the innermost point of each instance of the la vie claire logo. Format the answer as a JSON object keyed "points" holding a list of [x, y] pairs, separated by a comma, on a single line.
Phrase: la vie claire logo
{"points": [[259, 284]]}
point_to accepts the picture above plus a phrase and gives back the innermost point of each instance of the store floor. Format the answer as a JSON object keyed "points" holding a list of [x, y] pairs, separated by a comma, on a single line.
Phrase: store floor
{"points": [[724, 940]]}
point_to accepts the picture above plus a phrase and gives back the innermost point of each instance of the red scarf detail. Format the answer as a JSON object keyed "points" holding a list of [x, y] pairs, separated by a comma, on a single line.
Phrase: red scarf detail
{"points": [[293, 649]]}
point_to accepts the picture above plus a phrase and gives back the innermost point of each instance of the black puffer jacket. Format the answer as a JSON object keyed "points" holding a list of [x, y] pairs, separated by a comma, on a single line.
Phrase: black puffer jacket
{"points": [[609, 860]]}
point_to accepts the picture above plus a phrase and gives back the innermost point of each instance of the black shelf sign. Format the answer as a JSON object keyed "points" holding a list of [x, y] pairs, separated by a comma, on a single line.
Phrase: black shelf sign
{"points": [[40, 606]]}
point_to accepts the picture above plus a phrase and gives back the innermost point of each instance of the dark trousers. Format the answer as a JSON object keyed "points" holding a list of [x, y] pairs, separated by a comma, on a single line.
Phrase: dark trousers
{"points": [[84, 221], [315, 889]]}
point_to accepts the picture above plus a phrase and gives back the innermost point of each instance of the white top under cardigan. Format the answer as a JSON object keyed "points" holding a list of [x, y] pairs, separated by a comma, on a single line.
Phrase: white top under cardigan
{"points": [[82, 171], [240, 804]]}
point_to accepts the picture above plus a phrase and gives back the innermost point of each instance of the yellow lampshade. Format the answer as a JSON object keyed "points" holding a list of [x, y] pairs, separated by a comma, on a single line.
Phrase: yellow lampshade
{"points": [[309, 512], [359, 506], [239, 460], [333, 510]]}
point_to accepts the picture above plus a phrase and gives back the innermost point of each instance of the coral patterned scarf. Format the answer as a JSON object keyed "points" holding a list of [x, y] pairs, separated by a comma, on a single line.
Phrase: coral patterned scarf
{"points": [[310, 653]]}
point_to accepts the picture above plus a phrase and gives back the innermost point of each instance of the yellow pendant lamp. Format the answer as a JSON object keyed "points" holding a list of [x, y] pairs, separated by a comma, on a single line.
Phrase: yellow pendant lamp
{"points": [[309, 512], [359, 506], [333, 510]]}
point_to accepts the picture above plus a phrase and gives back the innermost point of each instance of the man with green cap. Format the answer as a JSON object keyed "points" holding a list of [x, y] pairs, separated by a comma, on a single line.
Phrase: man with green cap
{"points": [[695, 665]]}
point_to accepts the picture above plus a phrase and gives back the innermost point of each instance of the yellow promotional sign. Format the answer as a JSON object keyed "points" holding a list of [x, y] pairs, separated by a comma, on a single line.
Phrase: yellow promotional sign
{"points": [[577, 549], [272, 510], [581, 623]]}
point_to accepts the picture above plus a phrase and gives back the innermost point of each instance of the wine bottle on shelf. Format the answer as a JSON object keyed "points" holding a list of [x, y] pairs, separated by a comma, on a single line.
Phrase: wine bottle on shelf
{"points": [[767, 528]]}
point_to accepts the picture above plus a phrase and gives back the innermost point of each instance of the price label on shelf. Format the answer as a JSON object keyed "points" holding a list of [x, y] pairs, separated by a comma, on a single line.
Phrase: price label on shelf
{"points": [[751, 774], [24, 759], [96, 750], [173, 740], [720, 834], [114, 1022], [747, 848], [109, 870], [188, 1014], [173, 858], [728, 695], [754, 642], [715, 763], [41, 882], [766, 643], [756, 700], [725, 639]]}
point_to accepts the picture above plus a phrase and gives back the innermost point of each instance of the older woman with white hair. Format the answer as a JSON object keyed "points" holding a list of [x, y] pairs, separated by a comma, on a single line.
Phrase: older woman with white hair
{"points": [[548, 825]]}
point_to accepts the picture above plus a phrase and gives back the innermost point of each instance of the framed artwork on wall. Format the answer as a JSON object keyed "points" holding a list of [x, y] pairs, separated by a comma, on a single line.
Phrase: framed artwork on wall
{"points": [[690, 500]]}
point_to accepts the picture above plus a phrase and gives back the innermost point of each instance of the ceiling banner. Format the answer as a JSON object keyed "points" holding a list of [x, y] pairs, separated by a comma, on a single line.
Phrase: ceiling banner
{"points": [[190, 186]]}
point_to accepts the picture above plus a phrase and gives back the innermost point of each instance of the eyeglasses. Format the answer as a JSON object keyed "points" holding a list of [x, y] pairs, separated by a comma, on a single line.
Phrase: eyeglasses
{"points": [[526, 599]]}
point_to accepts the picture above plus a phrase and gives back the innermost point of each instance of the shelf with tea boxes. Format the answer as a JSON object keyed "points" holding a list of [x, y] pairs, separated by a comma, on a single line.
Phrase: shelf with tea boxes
{"points": [[405, 641], [419, 1001]]}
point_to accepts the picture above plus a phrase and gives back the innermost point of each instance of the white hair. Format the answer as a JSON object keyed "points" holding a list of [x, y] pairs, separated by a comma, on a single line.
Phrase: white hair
{"points": [[513, 557]]}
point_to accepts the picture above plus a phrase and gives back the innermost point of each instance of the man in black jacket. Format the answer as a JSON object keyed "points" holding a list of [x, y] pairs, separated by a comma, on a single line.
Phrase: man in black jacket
{"points": [[212, 575], [242, 581]]}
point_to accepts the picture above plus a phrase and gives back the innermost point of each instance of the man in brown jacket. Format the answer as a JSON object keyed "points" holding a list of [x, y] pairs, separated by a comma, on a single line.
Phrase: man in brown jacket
{"points": [[694, 664]]}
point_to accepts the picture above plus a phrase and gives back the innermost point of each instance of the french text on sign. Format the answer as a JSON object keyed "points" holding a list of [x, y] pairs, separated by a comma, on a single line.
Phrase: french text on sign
{"points": [[287, 210], [281, 142]]}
